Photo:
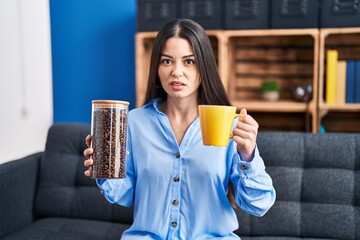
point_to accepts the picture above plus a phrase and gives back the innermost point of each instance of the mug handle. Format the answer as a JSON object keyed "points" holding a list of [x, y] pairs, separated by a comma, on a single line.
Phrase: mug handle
{"points": [[238, 115]]}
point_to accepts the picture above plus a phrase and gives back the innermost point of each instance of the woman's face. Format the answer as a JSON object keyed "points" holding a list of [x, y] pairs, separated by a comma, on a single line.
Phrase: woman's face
{"points": [[178, 72]]}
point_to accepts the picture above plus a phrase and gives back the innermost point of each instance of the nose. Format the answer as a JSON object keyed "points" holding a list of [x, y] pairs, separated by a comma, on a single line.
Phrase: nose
{"points": [[177, 71], [177, 75]]}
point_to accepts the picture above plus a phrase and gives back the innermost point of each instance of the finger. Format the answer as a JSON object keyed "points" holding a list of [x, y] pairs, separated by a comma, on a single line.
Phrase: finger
{"points": [[88, 152], [246, 118], [245, 134], [87, 173], [88, 163], [243, 113], [244, 146], [245, 131], [239, 141], [244, 126], [88, 140]]}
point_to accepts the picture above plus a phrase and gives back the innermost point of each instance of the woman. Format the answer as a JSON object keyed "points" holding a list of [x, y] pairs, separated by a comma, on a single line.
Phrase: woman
{"points": [[181, 189]]}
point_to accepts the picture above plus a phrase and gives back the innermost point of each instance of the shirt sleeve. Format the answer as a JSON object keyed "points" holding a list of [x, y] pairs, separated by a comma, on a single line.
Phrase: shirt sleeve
{"points": [[121, 191], [254, 191]]}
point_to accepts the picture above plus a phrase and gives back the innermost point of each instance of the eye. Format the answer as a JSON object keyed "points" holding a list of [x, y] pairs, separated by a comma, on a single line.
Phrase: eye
{"points": [[190, 61], [165, 61]]}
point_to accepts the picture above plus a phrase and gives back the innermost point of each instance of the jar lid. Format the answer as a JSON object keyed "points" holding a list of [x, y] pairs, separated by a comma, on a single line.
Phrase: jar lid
{"points": [[110, 103]]}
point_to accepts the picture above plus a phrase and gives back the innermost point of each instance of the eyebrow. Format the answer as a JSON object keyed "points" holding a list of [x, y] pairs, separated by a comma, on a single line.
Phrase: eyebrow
{"points": [[186, 56]]}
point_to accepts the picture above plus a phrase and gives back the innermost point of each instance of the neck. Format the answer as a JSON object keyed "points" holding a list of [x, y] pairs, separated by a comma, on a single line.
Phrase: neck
{"points": [[180, 110], [180, 114]]}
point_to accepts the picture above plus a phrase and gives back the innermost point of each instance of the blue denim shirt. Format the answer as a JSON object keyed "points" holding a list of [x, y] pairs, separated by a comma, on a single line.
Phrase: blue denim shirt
{"points": [[180, 191]]}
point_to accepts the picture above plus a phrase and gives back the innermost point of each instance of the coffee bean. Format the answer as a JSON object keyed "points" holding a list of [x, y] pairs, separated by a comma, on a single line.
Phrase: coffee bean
{"points": [[109, 130]]}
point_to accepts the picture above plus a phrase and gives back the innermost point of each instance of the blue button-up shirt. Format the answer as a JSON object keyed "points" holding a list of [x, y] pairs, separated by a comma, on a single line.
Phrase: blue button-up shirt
{"points": [[180, 191]]}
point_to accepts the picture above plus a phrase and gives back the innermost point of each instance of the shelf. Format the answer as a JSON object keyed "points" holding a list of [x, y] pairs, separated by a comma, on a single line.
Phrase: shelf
{"points": [[326, 31], [349, 107], [277, 106]]}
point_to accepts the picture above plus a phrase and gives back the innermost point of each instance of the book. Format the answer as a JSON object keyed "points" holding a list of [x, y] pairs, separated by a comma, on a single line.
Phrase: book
{"points": [[341, 82], [350, 81], [357, 82], [331, 75]]}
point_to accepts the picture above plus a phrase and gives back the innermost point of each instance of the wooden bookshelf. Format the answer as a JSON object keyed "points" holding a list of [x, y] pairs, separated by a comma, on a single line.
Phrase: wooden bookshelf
{"points": [[289, 57], [278, 106], [338, 117]]}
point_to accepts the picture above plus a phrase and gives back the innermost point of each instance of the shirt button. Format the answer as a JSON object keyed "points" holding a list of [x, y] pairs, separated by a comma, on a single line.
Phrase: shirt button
{"points": [[177, 154], [243, 167], [176, 178], [175, 202], [174, 224]]}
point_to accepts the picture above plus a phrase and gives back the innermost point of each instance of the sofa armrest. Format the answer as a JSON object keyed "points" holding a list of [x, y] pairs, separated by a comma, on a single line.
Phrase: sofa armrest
{"points": [[18, 180]]}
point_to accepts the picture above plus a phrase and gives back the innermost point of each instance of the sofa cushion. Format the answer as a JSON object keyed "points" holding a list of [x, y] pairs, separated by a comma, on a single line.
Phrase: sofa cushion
{"points": [[17, 191], [317, 179], [69, 229], [63, 190]]}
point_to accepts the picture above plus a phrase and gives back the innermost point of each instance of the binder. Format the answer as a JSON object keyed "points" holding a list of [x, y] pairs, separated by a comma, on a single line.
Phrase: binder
{"points": [[357, 82], [331, 75], [341, 82], [350, 81]]}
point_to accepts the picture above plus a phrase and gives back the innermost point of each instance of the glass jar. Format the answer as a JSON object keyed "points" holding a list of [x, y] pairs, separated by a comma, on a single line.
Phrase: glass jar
{"points": [[109, 132]]}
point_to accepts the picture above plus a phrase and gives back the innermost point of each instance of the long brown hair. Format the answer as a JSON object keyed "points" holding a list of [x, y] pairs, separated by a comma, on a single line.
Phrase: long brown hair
{"points": [[211, 89]]}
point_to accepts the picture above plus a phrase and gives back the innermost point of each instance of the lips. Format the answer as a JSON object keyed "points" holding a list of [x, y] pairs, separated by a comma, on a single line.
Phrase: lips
{"points": [[177, 83]]}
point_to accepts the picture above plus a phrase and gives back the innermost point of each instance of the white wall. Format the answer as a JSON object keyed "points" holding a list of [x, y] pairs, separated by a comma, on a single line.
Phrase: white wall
{"points": [[25, 77]]}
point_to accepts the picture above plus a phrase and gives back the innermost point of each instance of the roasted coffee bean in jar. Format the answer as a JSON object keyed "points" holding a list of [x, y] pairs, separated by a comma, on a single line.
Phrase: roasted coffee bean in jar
{"points": [[108, 131]]}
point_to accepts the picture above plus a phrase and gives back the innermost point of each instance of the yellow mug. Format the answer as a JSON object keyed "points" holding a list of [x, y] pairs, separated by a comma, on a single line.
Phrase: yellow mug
{"points": [[216, 123]]}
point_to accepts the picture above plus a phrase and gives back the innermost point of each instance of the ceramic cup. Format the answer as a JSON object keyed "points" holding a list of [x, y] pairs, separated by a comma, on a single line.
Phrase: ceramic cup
{"points": [[216, 123]]}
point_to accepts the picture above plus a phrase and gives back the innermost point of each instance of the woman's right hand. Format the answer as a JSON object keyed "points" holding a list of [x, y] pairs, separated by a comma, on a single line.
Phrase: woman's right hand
{"points": [[87, 153]]}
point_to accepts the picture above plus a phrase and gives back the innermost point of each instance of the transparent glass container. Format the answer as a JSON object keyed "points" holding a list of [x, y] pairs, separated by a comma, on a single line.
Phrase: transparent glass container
{"points": [[109, 132]]}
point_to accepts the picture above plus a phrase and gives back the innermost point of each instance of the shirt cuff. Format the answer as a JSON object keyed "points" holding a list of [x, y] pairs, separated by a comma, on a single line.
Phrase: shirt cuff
{"points": [[107, 184], [100, 181], [252, 168]]}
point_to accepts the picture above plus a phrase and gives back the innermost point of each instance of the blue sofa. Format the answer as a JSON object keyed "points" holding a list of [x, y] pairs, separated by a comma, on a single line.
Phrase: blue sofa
{"points": [[45, 196]]}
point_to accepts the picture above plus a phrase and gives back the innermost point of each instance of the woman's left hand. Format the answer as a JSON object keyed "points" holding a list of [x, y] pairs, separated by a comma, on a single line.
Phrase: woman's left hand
{"points": [[244, 134]]}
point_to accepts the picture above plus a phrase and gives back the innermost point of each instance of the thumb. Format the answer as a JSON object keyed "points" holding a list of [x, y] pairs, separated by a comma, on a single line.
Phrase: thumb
{"points": [[243, 113]]}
